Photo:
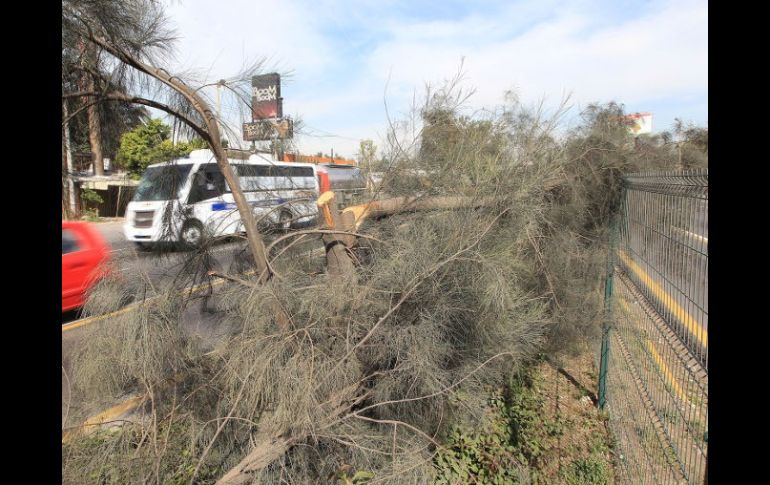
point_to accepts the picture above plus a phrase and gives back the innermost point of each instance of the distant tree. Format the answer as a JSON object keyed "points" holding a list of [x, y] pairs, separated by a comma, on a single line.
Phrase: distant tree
{"points": [[691, 143], [150, 143], [367, 154], [115, 118], [440, 135], [87, 72], [606, 122], [90, 127], [449, 142]]}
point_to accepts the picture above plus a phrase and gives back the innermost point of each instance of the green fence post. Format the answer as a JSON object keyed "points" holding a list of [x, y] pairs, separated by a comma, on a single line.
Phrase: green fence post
{"points": [[605, 350]]}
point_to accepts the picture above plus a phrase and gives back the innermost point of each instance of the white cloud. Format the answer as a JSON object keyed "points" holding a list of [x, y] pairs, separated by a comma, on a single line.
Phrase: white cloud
{"points": [[223, 34], [663, 54], [343, 55]]}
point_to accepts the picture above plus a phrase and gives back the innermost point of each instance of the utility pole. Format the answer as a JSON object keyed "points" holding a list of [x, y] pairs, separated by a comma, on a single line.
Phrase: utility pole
{"points": [[276, 150], [219, 103]]}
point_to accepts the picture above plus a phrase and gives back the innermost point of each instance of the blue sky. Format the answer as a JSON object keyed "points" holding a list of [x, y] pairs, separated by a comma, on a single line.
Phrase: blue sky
{"points": [[342, 55]]}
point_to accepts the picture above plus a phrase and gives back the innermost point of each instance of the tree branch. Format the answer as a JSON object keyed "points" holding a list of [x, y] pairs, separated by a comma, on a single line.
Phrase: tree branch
{"points": [[117, 96]]}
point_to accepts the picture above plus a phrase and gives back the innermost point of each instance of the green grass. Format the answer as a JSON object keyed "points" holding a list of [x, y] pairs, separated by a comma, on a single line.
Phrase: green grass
{"points": [[515, 443], [591, 471]]}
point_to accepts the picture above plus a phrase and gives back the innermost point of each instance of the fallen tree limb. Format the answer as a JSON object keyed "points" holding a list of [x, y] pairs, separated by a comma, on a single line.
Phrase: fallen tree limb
{"points": [[397, 205], [271, 443]]}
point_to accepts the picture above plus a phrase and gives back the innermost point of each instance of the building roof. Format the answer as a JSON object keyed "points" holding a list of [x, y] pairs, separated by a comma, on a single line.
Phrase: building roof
{"points": [[102, 182]]}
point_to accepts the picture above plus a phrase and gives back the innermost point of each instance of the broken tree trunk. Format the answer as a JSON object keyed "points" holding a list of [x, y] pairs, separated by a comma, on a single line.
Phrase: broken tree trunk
{"points": [[338, 260], [397, 205]]}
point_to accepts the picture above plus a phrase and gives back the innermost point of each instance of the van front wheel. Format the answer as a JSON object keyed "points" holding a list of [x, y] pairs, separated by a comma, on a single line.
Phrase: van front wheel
{"points": [[192, 234], [284, 220]]}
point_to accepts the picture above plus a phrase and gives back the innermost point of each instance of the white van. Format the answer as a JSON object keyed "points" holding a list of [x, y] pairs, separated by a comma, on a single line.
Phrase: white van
{"points": [[181, 200]]}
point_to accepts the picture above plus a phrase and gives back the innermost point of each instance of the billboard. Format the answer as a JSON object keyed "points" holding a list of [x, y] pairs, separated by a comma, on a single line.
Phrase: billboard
{"points": [[266, 100], [262, 130], [640, 123]]}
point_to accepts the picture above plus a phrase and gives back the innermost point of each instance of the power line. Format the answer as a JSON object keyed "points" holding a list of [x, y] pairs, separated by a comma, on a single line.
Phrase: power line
{"points": [[326, 134]]}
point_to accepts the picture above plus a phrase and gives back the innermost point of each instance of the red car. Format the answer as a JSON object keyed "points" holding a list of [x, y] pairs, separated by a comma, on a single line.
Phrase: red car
{"points": [[83, 256]]}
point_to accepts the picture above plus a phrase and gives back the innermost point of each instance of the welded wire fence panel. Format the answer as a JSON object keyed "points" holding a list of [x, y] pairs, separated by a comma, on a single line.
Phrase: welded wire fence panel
{"points": [[655, 354]]}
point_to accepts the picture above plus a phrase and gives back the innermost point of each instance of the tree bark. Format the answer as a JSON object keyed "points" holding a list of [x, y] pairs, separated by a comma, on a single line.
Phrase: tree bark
{"points": [[94, 120], [338, 260], [70, 164], [95, 139], [397, 205]]}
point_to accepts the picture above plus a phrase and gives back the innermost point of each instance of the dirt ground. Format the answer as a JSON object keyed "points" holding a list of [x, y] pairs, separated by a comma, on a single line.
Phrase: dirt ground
{"points": [[575, 441]]}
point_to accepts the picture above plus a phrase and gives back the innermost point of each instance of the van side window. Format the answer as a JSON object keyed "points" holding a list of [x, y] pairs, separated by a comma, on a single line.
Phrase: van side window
{"points": [[208, 183]]}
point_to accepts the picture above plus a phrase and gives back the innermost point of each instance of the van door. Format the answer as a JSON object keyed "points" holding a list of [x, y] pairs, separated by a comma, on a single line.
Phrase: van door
{"points": [[208, 206]]}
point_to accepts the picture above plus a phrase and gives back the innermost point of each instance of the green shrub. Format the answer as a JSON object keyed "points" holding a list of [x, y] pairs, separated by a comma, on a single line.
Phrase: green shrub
{"points": [[590, 471], [482, 455]]}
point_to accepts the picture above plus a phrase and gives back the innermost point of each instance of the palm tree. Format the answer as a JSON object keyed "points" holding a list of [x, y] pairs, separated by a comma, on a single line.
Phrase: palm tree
{"points": [[131, 40], [97, 129]]}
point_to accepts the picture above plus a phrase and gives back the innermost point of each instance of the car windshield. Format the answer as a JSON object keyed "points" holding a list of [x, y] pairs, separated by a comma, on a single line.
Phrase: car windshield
{"points": [[162, 183], [69, 243]]}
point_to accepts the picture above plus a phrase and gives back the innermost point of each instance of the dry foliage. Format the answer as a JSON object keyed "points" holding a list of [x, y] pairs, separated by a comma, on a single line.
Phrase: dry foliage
{"points": [[365, 378]]}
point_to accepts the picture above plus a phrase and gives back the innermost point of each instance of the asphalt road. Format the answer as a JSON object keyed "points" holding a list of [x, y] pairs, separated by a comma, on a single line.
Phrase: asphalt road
{"points": [[112, 232], [167, 267], [200, 317], [669, 249]]}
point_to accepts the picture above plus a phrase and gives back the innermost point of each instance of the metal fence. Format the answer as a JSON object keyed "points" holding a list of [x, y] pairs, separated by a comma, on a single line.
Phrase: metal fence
{"points": [[653, 379]]}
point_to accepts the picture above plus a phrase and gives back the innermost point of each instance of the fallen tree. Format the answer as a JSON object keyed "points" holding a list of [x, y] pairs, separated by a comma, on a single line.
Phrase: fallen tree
{"points": [[368, 365], [332, 370]]}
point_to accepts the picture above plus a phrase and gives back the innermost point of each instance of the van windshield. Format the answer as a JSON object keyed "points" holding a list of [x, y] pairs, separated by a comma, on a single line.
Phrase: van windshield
{"points": [[162, 183]]}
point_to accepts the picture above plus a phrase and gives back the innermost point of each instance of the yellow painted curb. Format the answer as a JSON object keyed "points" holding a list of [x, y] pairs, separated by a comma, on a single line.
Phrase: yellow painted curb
{"points": [[667, 374], [692, 235], [134, 306], [103, 417], [666, 371], [692, 325]]}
